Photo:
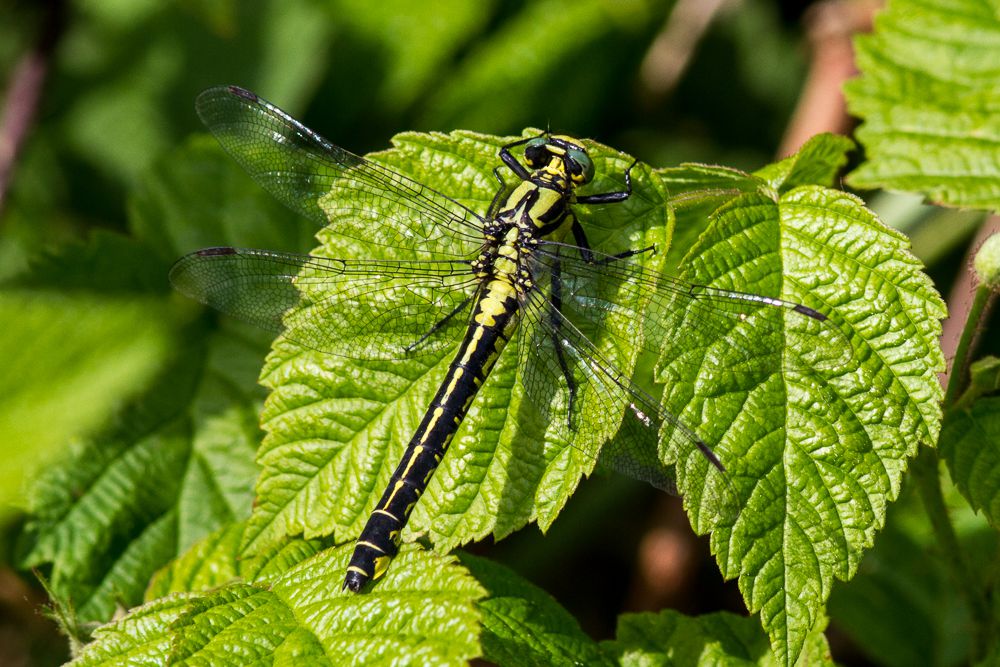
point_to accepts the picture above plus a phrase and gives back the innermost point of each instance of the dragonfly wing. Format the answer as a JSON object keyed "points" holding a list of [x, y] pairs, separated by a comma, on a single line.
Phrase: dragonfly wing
{"points": [[695, 325], [353, 308], [611, 419], [381, 209]]}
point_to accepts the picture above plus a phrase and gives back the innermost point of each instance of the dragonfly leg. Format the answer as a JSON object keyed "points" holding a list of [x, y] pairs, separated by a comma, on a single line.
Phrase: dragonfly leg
{"points": [[580, 236], [508, 158], [498, 198], [440, 323], [611, 197], [555, 306]]}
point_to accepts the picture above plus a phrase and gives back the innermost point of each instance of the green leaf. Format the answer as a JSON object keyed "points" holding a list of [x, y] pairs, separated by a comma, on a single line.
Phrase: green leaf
{"points": [[424, 613], [816, 455], [417, 52], [535, 57], [696, 190], [337, 428], [929, 96], [818, 162], [70, 360], [106, 263], [670, 638], [970, 445], [524, 626], [216, 560], [199, 197], [985, 374]]}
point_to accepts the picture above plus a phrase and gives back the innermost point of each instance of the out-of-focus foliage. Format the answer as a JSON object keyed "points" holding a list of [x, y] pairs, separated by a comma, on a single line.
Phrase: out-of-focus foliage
{"points": [[929, 95]]}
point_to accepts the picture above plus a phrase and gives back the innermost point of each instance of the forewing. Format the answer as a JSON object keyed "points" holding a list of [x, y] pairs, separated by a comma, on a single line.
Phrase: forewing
{"points": [[353, 308], [390, 214], [749, 335]]}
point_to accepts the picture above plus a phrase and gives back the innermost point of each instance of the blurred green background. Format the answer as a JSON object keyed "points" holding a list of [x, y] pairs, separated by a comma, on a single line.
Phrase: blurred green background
{"points": [[124, 73]]}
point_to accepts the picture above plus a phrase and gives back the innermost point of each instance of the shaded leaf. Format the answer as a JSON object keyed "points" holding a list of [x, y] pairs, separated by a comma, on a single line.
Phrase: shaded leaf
{"points": [[71, 360], [901, 610], [176, 465], [670, 638], [970, 445], [524, 626], [200, 197], [534, 57]]}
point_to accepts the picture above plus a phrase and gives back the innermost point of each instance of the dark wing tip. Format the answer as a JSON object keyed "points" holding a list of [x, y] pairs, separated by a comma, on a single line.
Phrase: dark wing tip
{"points": [[809, 312], [242, 92], [710, 455], [179, 274], [220, 250]]}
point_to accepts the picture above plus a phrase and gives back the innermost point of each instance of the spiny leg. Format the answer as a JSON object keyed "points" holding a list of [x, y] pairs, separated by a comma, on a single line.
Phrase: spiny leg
{"points": [[440, 323], [555, 306], [508, 158], [611, 197], [580, 236]]}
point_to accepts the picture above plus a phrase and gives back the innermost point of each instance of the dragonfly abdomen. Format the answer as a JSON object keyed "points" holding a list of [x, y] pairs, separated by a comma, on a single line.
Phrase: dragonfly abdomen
{"points": [[494, 320]]}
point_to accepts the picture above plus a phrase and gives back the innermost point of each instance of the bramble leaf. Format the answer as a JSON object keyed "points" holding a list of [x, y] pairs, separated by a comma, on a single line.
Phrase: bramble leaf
{"points": [[722, 638], [424, 613], [816, 453], [523, 626], [70, 361], [178, 462]]}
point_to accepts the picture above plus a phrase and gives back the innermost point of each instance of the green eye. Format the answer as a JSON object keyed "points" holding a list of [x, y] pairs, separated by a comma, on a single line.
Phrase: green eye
{"points": [[581, 165], [536, 152]]}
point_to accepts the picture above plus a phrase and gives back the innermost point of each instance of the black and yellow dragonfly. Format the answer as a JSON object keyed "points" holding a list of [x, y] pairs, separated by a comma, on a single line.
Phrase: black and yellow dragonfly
{"points": [[442, 275]]}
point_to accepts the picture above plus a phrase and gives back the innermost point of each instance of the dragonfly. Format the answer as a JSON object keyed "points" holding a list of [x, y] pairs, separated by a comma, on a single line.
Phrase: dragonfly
{"points": [[521, 276]]}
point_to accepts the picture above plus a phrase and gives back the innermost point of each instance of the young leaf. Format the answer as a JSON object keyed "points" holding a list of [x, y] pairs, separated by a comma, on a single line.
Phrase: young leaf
{"points": [[817, 163], [970, 445], [815, 450], [337, 428], [928, 94], [424, 611]]}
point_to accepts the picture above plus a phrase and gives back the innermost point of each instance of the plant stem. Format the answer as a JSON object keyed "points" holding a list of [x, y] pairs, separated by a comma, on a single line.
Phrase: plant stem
{"points": [[926, 472], [961, 361]]}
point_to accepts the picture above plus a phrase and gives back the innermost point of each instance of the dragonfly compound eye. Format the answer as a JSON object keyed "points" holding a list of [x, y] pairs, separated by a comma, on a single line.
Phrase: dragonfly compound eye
{"points": [[537, 153], [581, 167]]}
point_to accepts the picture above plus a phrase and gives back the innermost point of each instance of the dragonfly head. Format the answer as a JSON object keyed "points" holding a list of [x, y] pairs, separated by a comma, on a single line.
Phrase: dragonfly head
{"points": [[562, 153]]}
